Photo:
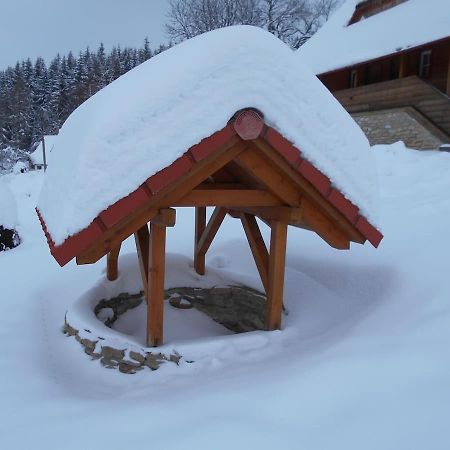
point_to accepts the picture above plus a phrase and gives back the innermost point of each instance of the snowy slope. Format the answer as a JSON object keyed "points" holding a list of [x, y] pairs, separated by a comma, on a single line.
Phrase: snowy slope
{"points": [[147, 118], [363, 361], [404, 26]]}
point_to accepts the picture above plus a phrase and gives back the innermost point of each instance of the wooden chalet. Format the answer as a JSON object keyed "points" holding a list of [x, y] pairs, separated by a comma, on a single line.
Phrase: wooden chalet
{"points": [[377, 55], [247, 170]]}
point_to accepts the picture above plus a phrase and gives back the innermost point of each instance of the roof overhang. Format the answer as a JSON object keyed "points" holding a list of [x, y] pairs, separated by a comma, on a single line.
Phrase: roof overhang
{"points": [[387, 55]]}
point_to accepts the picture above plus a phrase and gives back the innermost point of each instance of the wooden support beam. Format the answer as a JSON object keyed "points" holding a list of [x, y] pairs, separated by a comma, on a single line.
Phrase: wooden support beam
{"points": [[234, 213], [307, 216], [244, 176], [226, 198], [277, 260], [281, 213], [258, 247], [273, 179], [317, 221], [230, 186], [200, 225], [224, 175], [142, 240], [112, 264], [307, 190], [211, 229], [155, 289], [165, 218]]}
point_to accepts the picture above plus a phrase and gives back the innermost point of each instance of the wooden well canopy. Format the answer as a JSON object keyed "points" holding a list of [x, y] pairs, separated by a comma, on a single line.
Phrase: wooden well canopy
{"points": [[246, 170]]}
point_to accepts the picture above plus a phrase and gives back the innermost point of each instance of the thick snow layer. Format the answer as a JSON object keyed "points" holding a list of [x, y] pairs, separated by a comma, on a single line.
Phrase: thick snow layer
{"points": [[8, 207], [363, 361], [147, 118], [404, 26], [37, 157]]}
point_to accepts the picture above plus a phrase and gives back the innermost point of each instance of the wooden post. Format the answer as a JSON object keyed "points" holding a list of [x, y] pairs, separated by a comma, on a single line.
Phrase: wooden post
{"points": [[142, 239], [200, 225], [155, 290], [277, 259], [112, 264]]}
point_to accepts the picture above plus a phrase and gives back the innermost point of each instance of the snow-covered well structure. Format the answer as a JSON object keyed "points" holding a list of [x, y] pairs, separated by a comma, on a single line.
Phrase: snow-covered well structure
{"points": [[230, 119]]}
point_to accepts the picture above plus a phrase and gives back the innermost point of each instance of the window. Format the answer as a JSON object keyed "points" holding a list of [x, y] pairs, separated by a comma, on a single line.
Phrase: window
{"points": [[425, 64], [353, 78]]}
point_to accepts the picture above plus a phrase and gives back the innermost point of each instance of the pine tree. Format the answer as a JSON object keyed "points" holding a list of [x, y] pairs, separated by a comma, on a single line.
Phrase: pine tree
{"points": [[35, 100]]}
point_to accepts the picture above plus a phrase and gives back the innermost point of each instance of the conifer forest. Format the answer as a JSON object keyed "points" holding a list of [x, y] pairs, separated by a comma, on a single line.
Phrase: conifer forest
{"points": [[36, 98]]}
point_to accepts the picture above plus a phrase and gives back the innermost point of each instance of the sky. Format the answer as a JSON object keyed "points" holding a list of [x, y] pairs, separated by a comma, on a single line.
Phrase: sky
{"points": [[45, 27]]}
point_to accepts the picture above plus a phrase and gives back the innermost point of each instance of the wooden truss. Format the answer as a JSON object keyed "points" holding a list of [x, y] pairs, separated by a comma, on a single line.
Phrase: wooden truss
{"points": [[246, 180]]}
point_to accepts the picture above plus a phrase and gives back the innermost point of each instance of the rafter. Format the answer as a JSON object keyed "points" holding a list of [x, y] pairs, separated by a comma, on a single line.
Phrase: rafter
{"points": [[310, 191], [275, 181]]}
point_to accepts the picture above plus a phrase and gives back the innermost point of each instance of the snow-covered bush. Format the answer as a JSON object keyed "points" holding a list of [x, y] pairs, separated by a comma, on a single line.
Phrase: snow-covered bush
{"points": [[9, 237], [21, 167]]}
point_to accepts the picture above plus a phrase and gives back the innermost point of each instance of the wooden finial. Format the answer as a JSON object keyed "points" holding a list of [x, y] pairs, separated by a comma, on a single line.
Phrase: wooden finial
{"points": [[248, 124]]}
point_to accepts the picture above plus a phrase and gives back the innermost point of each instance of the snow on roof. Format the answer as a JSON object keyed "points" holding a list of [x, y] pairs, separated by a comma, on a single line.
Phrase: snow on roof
{"points": [[8, 207], [37, 157], [410, 24], [149, 117]]}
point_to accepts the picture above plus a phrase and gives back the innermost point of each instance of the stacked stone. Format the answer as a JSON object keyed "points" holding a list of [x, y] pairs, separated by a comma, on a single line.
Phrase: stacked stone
{"points": [[389, 126], [113, 358]]}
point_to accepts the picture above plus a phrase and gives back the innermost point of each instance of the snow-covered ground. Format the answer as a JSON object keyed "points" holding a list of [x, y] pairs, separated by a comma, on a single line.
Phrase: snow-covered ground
{"points": [[363, 361]]}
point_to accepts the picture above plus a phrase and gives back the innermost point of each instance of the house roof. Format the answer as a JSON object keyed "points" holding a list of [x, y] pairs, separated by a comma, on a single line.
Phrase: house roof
{"points": [[37, 156], [137, 135], [407, 25]]}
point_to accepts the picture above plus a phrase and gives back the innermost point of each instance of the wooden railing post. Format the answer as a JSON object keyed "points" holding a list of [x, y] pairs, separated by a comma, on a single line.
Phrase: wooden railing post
{"points": [[277, 260]]}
